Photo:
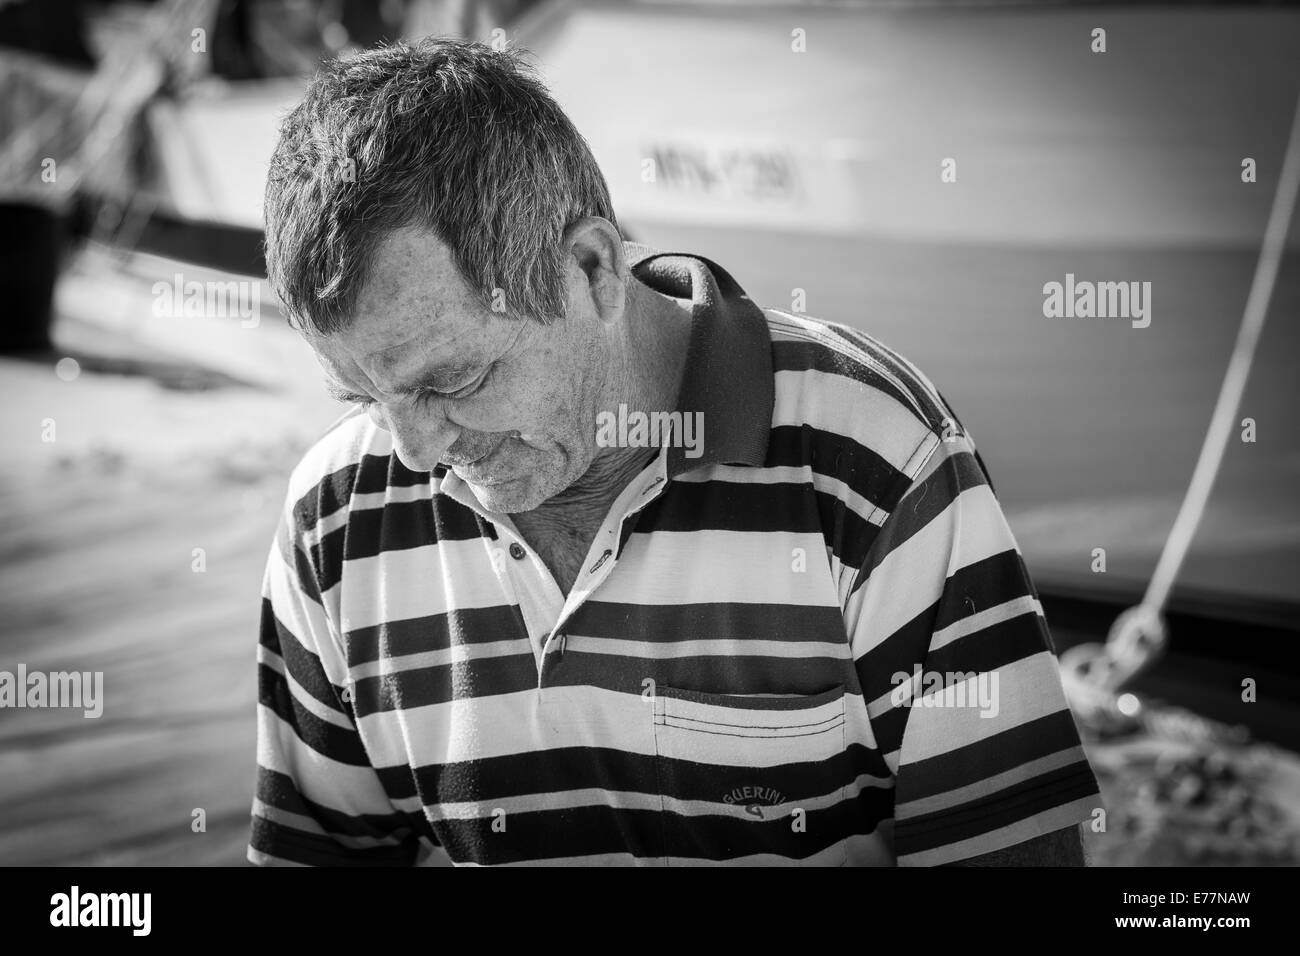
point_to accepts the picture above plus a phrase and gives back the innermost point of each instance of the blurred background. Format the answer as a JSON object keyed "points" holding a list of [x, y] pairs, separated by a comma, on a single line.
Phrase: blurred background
{"points": [[148, 435]]}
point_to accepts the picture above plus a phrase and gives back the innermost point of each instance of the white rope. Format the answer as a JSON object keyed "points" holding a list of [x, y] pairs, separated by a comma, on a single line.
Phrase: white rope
{"points": [[1143, 622], [1234, 381]]}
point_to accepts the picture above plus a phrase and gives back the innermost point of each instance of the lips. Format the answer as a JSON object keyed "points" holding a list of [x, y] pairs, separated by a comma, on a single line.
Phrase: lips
{"points": [[482, 456], [470, 461], [481, 459]]}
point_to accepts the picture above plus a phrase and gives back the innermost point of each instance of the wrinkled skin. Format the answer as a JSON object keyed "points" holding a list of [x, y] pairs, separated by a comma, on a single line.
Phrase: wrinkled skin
{"points": [[520, 426]]}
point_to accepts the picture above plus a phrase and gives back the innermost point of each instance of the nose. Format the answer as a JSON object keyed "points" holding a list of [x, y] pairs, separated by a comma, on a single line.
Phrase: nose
{"points": [[420, 435]]}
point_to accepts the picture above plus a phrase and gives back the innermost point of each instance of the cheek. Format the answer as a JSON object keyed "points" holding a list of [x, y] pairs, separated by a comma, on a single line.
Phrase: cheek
{"points": [[547, 400], [542, 404]]}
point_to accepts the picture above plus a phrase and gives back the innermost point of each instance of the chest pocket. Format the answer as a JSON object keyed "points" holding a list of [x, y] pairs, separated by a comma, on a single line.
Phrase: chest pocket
{"points": [[755, 780]]}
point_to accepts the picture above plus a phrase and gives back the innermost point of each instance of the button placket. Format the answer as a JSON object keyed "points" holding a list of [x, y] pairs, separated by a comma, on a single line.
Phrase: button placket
{"points": [[597, 571], [535, 607]]}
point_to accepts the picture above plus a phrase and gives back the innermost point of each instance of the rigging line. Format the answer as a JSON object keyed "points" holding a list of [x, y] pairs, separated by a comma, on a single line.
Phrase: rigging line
{"points": [[1234, 380]]}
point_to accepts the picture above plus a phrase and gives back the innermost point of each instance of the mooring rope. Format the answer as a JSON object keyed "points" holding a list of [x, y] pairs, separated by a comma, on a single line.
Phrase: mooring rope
{"points": [[1138, 634]]}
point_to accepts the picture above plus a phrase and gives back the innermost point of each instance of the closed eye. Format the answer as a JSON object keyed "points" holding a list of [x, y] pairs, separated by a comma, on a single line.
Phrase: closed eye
{"points": [[348, 398], [468, 389], [425, 393]]}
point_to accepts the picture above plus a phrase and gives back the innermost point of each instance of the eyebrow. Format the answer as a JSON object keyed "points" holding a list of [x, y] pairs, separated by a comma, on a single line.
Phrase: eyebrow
{"points": [[442, 378]]}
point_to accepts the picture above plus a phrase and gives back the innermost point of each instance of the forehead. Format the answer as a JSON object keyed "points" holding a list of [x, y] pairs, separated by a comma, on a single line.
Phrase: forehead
{"points": [[410, 264], [414, 308]]}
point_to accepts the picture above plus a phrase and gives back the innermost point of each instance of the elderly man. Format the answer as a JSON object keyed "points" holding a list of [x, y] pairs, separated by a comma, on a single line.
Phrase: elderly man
{"points": [[607, 564]]}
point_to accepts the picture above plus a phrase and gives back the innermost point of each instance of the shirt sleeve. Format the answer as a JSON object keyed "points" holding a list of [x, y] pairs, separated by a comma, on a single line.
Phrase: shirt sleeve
{"points": [[318, 801], [959, 673]]}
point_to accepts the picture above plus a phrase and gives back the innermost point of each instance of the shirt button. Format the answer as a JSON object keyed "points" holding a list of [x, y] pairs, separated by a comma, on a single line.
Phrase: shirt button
{"points": [[517, 551]]}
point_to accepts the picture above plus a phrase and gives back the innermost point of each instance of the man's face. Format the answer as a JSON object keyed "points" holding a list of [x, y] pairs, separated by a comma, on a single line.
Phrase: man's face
{"points": [[508, 404]]}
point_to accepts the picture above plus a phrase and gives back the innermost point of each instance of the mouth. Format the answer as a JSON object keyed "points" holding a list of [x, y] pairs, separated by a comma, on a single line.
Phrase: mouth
{"points": [[467, 470], [481, 457], [451, 463]]}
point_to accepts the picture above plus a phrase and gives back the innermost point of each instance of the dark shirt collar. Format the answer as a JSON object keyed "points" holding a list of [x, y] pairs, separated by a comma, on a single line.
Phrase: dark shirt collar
{"points": [[728, 374]]}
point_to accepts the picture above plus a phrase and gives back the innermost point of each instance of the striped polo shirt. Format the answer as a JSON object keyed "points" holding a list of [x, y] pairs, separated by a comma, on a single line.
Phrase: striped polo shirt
{"points": [[810, 641]]}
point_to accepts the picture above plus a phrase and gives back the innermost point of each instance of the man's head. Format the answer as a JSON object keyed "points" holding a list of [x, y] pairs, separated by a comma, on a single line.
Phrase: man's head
{"points": [[443, 237]]}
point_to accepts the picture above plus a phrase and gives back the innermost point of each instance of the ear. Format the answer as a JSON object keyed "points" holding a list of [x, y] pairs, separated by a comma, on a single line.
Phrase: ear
{"points": [[598, 264]]}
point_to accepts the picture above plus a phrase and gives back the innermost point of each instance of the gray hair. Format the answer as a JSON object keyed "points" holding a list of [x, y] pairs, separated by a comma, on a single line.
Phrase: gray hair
{"points": [[445, 134]]}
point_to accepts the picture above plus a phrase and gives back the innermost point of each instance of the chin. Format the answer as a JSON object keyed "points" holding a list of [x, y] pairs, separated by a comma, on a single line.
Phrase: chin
{"points": [[511, 497], [532, 489]]}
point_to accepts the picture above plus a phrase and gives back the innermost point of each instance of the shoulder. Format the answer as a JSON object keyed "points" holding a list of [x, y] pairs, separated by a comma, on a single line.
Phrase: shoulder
{"points": [[850, 392], [351, 457], [350, 498]]}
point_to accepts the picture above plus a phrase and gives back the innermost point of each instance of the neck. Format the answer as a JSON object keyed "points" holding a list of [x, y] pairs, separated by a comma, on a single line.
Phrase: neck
{"points": [[648, 364], [609, 474], [649, 351]]}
